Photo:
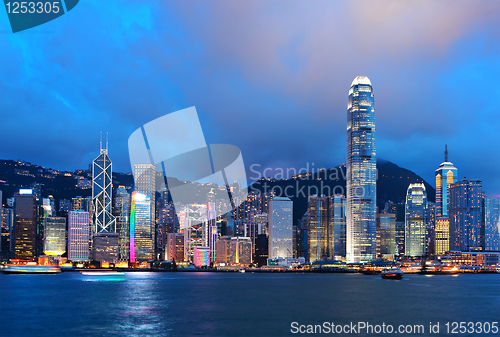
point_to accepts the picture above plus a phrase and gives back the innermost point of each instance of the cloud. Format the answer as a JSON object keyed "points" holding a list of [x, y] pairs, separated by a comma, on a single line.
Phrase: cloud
{"points": [[271, 77]]}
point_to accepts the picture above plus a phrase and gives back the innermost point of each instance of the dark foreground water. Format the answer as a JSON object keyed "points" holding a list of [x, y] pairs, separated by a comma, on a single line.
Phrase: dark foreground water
{"points": [[237, 304]]}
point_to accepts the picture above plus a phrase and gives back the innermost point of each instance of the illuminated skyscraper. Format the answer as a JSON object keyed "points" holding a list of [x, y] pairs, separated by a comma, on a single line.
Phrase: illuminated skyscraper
{"points": [[324, 227], [78, 236], [442, 236], [144, 183], [492, 224], [195, 229], [466, 215], [54, 243], [121, 212], [446, 175], [280, 228], [361, 172], [416, 220], [212, 224], [25, 227], [102, 185], [386, 235], [141, 232]]}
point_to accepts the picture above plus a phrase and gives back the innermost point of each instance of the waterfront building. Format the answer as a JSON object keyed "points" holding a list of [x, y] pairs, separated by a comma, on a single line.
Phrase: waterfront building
{"points": [[174, 249], [492, 224], [400, 228], [201, 256], [25, 225], [102, 185], [466, 215], [446, 175], [105, 247], [261, 250], [195, 229], [324, 227], [223, 247], [280, 228], [144, 183], [416, 220], [386, 235], [241, 250], [141, 232], [212, 224], [54, 242], [361, 173], [121, 212], [78, 236], [442, 236]]}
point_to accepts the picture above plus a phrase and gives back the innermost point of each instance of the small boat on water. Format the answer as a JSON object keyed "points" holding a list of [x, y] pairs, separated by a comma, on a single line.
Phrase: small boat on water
{"points": [[30, 269], [392, 273]]}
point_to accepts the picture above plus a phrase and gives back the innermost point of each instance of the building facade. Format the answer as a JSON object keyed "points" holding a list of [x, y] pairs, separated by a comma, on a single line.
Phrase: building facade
{"points": [[492, 224], [361, 172], [280, 228], [25, 225], [466, 215], [54, 243], [102, 185], [78, 236], [416, 219], [446, 175], [141, 233]]}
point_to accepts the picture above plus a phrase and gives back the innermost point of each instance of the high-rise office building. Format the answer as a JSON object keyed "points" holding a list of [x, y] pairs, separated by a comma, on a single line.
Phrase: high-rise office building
{"points": [[280, 228], [446, 175], [386, 235], [195, 229], [25, 225], [212, 224], [105, 247], [324, 227], [102, 185], [121, 212], [466, 215], [78, 236], [492, 224], [141, 231], [144, 183], [54, 242], [442, 236], [174, 249], [241, 250], [361, 172], [416, 218]]}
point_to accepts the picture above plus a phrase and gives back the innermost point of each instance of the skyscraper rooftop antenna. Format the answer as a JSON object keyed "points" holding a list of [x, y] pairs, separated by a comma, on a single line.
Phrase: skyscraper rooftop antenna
{"points": [[446, 152], [100, 143], [107, 141]]}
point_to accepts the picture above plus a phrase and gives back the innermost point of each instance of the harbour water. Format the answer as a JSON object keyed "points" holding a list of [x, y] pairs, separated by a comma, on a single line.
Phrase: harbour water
{"points": [[237, 304]]}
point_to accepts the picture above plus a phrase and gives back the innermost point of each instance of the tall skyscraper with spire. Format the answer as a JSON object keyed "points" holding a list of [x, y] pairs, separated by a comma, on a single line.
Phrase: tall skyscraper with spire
{"points": [[102, 185], [446, 175], [361, 173]]}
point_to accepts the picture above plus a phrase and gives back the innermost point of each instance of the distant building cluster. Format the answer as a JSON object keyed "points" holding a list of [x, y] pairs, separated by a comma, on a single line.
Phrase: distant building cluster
{"points": [[132, 226]]}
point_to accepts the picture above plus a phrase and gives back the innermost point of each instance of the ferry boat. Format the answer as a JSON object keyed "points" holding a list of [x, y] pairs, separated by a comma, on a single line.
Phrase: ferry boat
{"points": [[30, 269], [392, 273]]}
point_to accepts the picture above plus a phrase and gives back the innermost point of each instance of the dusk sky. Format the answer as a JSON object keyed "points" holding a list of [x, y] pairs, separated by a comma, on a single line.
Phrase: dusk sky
{"points": [[271, 77]]}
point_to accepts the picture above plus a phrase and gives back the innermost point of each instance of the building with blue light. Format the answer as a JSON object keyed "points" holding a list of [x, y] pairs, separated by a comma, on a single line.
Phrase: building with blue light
{"points": [[361, 172]]}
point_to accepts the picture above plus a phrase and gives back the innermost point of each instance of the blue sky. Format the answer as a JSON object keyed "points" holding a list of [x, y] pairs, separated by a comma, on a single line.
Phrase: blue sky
{"points": [[270, 77]]}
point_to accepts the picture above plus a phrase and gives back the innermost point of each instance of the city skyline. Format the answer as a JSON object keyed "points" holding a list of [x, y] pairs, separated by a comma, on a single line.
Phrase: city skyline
{"points": [[441, 77]]}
